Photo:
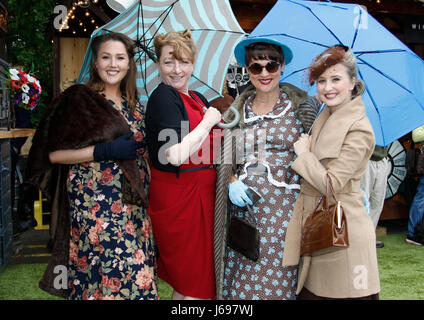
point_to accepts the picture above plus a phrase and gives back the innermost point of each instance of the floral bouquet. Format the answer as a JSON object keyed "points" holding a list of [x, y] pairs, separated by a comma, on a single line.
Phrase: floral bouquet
{"points": [[25, 90]]}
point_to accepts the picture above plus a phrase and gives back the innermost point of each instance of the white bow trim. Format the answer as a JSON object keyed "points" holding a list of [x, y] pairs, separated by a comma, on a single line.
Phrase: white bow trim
{"points": [[280, 184], [261, 117]]}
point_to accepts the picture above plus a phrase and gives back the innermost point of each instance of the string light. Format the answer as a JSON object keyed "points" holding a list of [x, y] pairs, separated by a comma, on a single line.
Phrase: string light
{"points": [[71, 15]]}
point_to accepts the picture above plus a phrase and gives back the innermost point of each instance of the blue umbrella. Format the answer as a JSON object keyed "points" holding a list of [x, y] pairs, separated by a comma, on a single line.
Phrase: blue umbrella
{"points": [[393, 74], [215, 32]]}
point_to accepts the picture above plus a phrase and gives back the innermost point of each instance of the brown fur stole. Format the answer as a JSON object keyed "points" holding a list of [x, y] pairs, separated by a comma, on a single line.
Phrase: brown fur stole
{"points": [[79, 117]]}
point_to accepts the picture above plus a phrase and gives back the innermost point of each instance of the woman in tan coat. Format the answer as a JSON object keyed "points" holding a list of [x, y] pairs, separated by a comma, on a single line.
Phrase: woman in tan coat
{"points": [[340, 145]]}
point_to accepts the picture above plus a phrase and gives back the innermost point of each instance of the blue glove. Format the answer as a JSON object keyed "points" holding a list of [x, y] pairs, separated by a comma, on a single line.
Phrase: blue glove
{"points": [[122, 148], [237, 193]]}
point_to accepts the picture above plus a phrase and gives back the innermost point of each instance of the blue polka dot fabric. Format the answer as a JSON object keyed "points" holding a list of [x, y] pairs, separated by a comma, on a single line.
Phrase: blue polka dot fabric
{"points": [[268, 140]]}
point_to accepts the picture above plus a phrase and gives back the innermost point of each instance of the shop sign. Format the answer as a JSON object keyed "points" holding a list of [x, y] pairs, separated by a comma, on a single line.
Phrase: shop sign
{"points": [[414, 31]]}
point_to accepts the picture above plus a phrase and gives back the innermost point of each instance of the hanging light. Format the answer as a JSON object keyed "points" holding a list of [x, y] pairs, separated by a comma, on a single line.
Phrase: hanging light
{"points": [[120, 5]]}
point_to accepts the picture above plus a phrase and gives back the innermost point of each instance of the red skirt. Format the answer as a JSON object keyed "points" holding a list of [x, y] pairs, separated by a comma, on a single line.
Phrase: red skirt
{"points": [[182, 215]]}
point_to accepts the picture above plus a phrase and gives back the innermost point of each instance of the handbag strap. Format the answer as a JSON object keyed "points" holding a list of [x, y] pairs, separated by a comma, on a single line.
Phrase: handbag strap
{"points": [[250, 216], [330, 185], [326, 197]]}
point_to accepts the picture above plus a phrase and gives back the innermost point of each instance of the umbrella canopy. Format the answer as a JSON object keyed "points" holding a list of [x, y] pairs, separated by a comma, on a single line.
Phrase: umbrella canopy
{"points": [[393, 74], [215, 32]]}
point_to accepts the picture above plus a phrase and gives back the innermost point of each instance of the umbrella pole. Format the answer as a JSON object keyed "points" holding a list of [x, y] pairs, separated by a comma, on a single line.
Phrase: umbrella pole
{"points": [[224, 171]]}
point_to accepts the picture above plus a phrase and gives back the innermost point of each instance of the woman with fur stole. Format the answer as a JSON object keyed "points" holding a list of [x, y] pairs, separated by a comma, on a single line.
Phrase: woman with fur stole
{"points": [[88, 158]]}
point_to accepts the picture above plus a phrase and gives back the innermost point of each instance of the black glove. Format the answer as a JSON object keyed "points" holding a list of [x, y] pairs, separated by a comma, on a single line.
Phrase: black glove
{"points": [[122, 148]]}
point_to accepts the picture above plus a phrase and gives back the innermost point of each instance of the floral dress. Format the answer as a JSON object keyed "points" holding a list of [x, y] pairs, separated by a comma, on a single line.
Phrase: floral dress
{"points": [[266, 152], [112, 253]]}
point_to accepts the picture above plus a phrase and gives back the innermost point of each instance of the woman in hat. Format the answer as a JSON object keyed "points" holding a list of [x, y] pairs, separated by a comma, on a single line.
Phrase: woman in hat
{"points": [[272, 119]]}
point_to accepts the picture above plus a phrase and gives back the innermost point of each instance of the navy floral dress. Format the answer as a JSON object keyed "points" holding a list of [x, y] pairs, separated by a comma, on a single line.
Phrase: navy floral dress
{"points": [[112, 252]]}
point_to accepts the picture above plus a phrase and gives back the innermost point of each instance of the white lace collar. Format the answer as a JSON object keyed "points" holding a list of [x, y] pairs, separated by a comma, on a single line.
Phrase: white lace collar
{"points": [[269, 115]]}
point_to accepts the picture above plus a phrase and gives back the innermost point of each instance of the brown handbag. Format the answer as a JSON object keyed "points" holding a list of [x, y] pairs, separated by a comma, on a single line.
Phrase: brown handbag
{"points": [[326, 227]]}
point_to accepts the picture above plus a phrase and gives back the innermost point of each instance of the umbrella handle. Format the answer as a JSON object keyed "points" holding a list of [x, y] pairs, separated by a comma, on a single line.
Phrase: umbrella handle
{"points": [[233, 123]]}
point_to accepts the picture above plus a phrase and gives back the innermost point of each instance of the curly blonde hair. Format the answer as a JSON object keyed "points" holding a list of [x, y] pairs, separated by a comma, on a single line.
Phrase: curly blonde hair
{"points": [[182, 42]]}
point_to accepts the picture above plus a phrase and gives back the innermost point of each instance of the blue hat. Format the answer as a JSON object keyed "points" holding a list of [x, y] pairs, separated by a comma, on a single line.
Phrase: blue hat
{"points": [[240, 51]]}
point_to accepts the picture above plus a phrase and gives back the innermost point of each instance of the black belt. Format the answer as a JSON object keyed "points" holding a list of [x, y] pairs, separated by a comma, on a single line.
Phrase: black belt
{"points": [[198, 168]]}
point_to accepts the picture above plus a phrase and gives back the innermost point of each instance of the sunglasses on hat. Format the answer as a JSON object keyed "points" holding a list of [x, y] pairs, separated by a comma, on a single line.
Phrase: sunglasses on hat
{"points": [[256, 68]]}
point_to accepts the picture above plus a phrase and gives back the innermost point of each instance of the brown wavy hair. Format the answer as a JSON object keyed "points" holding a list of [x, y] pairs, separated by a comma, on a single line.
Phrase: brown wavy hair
{"points": [[128, 84], [332, 56], [182, 42]]}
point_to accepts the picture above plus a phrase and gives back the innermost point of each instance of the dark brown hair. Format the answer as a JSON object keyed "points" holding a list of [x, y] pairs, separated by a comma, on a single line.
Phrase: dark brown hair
{"points": [[332, 56], [263, 51], [128, 84]]}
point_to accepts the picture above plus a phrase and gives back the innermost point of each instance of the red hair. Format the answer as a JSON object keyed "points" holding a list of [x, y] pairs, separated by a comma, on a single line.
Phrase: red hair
{"points": [[332, 56], [323, 61]]}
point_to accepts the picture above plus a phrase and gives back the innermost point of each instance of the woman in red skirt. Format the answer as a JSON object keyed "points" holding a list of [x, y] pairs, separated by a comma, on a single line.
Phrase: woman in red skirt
{"points": [[181, 141]]}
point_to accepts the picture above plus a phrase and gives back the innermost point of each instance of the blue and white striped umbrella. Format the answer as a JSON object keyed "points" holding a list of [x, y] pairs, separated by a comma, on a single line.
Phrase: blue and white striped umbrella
{"points": [[214, 29]]}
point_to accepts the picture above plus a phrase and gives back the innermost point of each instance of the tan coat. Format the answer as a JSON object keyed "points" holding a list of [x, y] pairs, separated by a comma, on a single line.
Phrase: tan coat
{"points": [[341, 145]]}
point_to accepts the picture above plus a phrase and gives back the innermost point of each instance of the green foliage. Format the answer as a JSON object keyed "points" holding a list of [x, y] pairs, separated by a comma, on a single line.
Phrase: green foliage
{"points": [[30, 31]]}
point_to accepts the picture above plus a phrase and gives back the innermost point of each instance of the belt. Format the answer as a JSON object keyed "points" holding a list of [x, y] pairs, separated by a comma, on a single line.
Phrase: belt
{"points": [[198, 168]]}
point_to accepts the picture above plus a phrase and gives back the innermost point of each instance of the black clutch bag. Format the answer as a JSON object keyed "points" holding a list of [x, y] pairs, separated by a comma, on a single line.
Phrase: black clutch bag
{"points": [[243, 236]]}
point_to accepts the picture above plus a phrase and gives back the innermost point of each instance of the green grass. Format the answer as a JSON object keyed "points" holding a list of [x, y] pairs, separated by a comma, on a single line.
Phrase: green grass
{"points": [[401, 269], [400, 265], [20, 282]]}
